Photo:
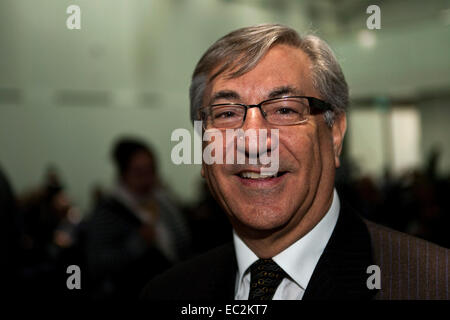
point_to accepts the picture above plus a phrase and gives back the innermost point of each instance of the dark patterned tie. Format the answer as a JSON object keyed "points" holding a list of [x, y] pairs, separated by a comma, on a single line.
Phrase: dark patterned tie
{"points": [[266, 276]]}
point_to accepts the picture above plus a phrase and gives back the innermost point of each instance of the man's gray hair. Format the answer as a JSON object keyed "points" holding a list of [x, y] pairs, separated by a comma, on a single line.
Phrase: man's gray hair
{"points": [[240, 51]]}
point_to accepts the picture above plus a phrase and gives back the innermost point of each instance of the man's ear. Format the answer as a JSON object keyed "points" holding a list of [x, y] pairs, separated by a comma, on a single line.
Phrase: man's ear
{"points": [[338, 132]]}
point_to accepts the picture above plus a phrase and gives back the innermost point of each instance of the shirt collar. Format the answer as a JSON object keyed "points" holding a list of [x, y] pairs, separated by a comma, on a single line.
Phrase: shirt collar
{"points": [[299, 259], [244, 256]]}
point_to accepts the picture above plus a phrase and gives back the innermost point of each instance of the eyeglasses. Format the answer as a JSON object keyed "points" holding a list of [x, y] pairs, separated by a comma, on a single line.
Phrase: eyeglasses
{"points": [[285, 111]]}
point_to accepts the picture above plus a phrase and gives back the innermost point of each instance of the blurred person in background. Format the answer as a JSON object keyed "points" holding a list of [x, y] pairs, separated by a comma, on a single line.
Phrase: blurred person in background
{"points": [[50, 227], [414, 201], [136, 230]]}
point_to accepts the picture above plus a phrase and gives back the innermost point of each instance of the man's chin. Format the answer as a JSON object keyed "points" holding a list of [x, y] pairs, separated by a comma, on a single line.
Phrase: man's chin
{"points": [[260, 221]]}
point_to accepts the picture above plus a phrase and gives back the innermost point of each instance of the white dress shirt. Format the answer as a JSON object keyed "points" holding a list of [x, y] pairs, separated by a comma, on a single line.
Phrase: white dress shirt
{"points": [[298, 260]]}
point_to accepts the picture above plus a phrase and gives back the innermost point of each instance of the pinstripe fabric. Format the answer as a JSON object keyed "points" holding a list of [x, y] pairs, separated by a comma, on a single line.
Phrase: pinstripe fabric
{"points": [[411, 268]]}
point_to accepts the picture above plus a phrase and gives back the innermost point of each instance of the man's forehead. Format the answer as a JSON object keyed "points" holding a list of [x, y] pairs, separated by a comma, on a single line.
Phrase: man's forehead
{"points": [[276, 92], [283, 68]]}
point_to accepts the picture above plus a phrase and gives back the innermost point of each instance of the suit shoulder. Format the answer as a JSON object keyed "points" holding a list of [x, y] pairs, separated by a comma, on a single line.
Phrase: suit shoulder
{"points": [[384, 236], [411, 268], [193, 275]]}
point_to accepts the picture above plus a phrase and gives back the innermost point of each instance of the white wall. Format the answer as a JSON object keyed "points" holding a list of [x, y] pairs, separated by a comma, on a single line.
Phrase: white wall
{"points": [[406, 135], [134, 48], [365, 140]]}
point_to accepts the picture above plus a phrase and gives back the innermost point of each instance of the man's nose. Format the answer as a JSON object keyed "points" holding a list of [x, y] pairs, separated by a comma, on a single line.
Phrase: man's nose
{"points": [[254, 119], [257, 133]]}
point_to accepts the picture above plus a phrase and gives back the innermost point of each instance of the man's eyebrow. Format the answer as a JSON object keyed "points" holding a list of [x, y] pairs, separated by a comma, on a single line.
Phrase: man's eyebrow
{"points": [[225, 94], [275, 93], [285, 91]]}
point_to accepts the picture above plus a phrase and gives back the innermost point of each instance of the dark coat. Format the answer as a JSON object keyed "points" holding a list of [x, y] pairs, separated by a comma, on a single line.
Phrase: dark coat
{"points": [[410, 268]]}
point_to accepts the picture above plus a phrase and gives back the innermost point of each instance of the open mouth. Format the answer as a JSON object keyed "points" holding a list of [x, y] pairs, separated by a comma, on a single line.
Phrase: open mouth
{"points": [[259, 176]]}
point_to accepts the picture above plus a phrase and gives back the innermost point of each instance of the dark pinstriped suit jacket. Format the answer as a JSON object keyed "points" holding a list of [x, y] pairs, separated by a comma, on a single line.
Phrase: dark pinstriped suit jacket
{"points": [[410, 268]]}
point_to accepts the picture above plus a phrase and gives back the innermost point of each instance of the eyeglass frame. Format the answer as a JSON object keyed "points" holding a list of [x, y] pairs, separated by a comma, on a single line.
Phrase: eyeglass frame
{"points": [[315, 105]]}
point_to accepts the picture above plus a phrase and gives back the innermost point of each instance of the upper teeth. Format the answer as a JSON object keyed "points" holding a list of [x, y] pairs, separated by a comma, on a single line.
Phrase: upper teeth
{"points": [[255, 175]]}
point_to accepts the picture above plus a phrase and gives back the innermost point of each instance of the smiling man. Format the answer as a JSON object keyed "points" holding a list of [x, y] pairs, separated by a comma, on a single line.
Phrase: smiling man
{"points": [[293, 238]]}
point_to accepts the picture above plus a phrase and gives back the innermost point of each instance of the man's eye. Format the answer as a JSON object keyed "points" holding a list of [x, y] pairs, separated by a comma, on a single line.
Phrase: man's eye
{"points": [[225, 114], [285, 110]]}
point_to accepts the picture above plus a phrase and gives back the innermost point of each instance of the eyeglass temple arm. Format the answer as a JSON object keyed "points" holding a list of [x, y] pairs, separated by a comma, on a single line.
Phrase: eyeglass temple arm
{"points": [[317, 106]]}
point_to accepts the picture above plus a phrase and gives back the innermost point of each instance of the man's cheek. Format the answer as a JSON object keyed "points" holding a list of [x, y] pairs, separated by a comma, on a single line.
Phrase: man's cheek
{"points": [[210, 181], [212, 175]]}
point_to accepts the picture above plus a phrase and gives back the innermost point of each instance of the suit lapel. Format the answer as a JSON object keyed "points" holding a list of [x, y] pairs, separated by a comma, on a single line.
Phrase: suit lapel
{"points": [[223, 275], [341, 270]]}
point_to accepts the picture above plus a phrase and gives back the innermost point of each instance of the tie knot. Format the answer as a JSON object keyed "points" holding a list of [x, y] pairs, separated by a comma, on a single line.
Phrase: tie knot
{"points": [[266, 275], [267, 267]]}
